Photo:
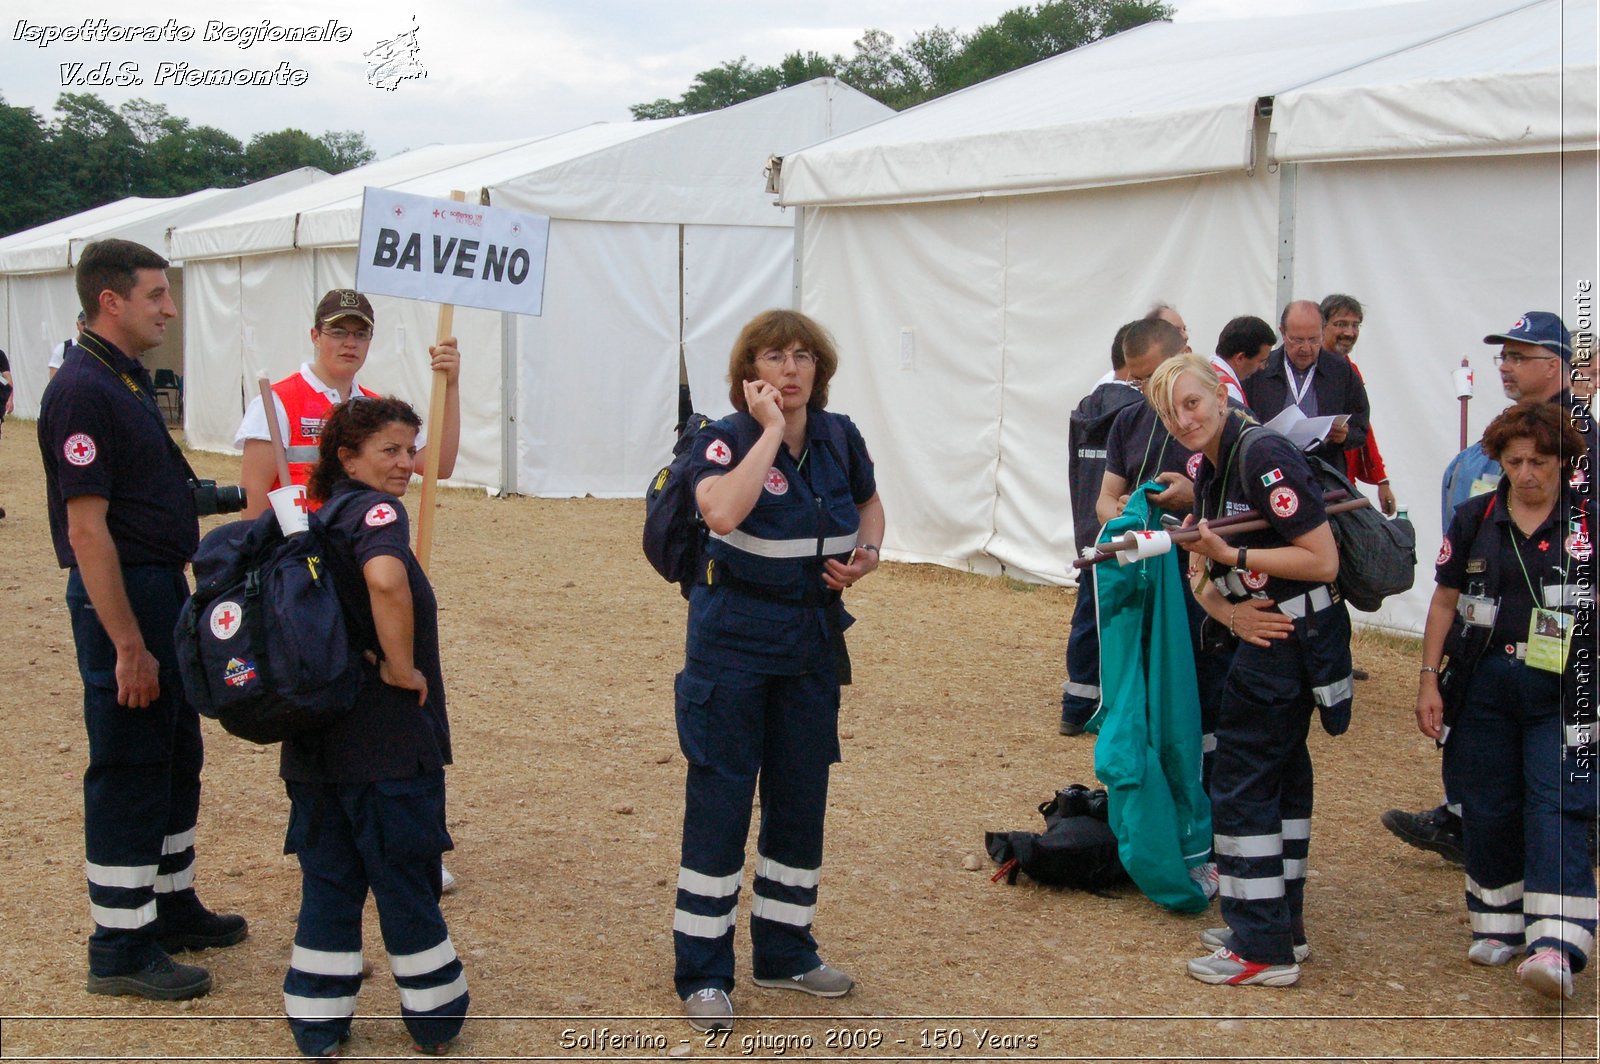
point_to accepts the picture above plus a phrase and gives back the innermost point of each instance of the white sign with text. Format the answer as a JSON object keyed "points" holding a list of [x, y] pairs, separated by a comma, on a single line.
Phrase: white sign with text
{"points": [[418, 247]]}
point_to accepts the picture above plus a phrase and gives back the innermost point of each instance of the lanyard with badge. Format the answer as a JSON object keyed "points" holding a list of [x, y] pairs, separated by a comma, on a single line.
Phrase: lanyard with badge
{"points": [[1298, 392], [1549, 631], [90, 343]]}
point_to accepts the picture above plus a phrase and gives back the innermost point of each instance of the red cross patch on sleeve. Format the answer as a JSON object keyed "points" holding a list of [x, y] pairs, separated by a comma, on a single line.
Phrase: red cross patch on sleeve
{"points": [[717, 451], [1444, 552], [79, 449], [380, 515], [1285, 502]]}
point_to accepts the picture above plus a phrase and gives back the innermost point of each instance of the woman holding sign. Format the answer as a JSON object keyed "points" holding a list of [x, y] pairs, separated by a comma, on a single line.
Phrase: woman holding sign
{"points": [[1515, 702], [787, 491], [367, 793], [341, 338]]}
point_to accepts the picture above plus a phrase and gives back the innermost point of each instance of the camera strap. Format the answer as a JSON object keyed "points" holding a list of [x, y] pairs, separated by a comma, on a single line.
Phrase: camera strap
{"points": [[92, 344]]}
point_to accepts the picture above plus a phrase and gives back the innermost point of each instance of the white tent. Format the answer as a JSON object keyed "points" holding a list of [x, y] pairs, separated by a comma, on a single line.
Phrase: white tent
{"points": [[976, 254], [662, 243], [36, 270]]}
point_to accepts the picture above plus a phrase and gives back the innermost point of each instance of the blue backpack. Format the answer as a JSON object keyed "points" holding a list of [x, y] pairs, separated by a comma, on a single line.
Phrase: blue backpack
{"points": [[266, 644], [673, 530]]}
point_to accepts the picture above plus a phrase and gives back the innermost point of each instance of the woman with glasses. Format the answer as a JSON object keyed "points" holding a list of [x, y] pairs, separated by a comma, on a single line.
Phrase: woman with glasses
{"points": [[1514, 710], [341, 337], [787, 493]]}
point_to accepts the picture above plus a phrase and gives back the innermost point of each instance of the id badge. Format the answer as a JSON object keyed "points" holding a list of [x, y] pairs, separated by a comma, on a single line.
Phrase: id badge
{"points": [[1478, 610], [1549, 640]]}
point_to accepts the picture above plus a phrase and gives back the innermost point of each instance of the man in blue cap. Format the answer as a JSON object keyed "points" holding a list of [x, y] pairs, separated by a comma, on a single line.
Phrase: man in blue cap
{"points": [[1535, 363]]}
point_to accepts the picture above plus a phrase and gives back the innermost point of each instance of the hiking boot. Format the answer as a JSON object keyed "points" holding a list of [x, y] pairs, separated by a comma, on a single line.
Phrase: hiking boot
{"points": [[820, 981], [1491, 952], [201, 929], [1227, 968], [1068, 727], [1217, 938], [1206, 875], [163, 979], [1547, 972], [709, 1010], [1438, 830]]}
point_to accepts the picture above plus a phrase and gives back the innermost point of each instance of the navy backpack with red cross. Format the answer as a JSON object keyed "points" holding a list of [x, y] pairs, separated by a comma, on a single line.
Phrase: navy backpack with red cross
{"points": [[265, 645]]}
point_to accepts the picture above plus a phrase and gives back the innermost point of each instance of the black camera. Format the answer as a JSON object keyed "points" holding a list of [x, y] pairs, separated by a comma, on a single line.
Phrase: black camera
{"points": [[210, 499]]}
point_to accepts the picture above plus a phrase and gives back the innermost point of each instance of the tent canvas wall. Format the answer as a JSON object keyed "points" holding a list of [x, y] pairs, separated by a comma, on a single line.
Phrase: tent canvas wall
{"points": [[662, 243], [976, 254], [41, 299]]}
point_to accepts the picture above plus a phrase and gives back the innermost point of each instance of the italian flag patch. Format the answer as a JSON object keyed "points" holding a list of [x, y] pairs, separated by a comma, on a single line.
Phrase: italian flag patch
{"points": [[1269, 479]]}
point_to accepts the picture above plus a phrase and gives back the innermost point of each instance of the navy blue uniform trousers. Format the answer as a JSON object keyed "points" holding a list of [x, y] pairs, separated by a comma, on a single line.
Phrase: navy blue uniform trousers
{"points": [[141, 791], [387, 837], [740, 730], [1524, 817]]}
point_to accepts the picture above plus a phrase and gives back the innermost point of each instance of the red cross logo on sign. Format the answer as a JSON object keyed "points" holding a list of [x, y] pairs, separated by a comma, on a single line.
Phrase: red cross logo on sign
{"points": [[225, 617], [79, 449], [380, 515], [1285, 502], [777, 483], [718, 452]]}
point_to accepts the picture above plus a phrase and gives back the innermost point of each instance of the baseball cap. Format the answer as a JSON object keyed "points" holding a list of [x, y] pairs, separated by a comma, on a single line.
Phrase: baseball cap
{"points": [[342, 303], [1539, 327]]}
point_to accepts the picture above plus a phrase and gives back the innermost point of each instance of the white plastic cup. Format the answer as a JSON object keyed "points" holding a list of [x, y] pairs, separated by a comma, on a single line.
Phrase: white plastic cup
{"points": [[290, 506], [1145, 545], [1462, 378]]}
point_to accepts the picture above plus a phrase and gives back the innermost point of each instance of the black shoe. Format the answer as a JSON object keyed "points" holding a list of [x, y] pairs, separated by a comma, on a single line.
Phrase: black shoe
{"points": [[202, 929], [1438, 830], [1071, 728], [163, 979]]}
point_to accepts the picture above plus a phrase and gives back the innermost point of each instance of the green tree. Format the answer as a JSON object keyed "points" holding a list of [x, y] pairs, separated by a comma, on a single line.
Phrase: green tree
{"points": [[98, 157], [932, 63], [348, 149], [28, 179], [189, 158], [270, 154]]}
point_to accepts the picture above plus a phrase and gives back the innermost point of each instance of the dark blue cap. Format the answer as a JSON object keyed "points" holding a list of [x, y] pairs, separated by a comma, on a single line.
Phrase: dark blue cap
{"points": [[1539, 327]]}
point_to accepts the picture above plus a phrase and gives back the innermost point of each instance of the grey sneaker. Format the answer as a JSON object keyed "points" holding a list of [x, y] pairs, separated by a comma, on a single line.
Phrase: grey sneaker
{"points": [[1227, 968], [1547, 972], [1491, 952], [820, 981], [709, 1010], [1217, 938]]}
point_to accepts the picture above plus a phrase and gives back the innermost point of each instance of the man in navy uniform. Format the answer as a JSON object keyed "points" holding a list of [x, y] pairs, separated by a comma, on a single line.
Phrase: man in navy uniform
{"points": [[122, 517]]}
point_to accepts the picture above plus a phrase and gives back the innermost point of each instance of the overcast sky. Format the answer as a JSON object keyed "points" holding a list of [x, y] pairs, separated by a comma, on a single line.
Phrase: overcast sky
{"points": [[501, 69]]}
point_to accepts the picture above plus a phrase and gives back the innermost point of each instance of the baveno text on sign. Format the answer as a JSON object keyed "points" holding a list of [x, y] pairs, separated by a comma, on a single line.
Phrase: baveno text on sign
{"points": [[102, 31]]}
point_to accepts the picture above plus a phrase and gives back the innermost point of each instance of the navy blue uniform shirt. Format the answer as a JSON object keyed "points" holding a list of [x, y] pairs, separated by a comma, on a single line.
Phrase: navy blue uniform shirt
{"points": [[387, 736], [1273, 480], [101, 433], [771, 613], [1139, 447]]}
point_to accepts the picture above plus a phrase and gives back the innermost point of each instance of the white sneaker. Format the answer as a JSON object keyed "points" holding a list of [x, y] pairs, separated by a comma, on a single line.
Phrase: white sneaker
{"points": [[1547, 972], [1490, 952], [447, 882], [1206, 876]]}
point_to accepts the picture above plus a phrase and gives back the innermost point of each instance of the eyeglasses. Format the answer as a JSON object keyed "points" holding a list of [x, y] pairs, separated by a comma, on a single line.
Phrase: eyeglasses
{"points": [[1347, 324], [1517, 358], [339, 336], [775, 359]]}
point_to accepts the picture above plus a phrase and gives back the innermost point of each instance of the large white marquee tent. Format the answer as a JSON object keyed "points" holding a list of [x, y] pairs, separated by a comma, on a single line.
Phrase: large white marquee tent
{"points": [[662, 242], [976, 254], [38, 300]]}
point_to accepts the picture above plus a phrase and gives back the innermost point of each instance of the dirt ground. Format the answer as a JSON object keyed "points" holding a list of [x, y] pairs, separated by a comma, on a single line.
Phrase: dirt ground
{"points": [[560, 646]]}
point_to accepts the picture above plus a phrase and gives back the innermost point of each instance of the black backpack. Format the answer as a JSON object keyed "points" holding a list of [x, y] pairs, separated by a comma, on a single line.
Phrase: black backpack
{"points": [[1076, 849], [266, 646], [1377, 554]]}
